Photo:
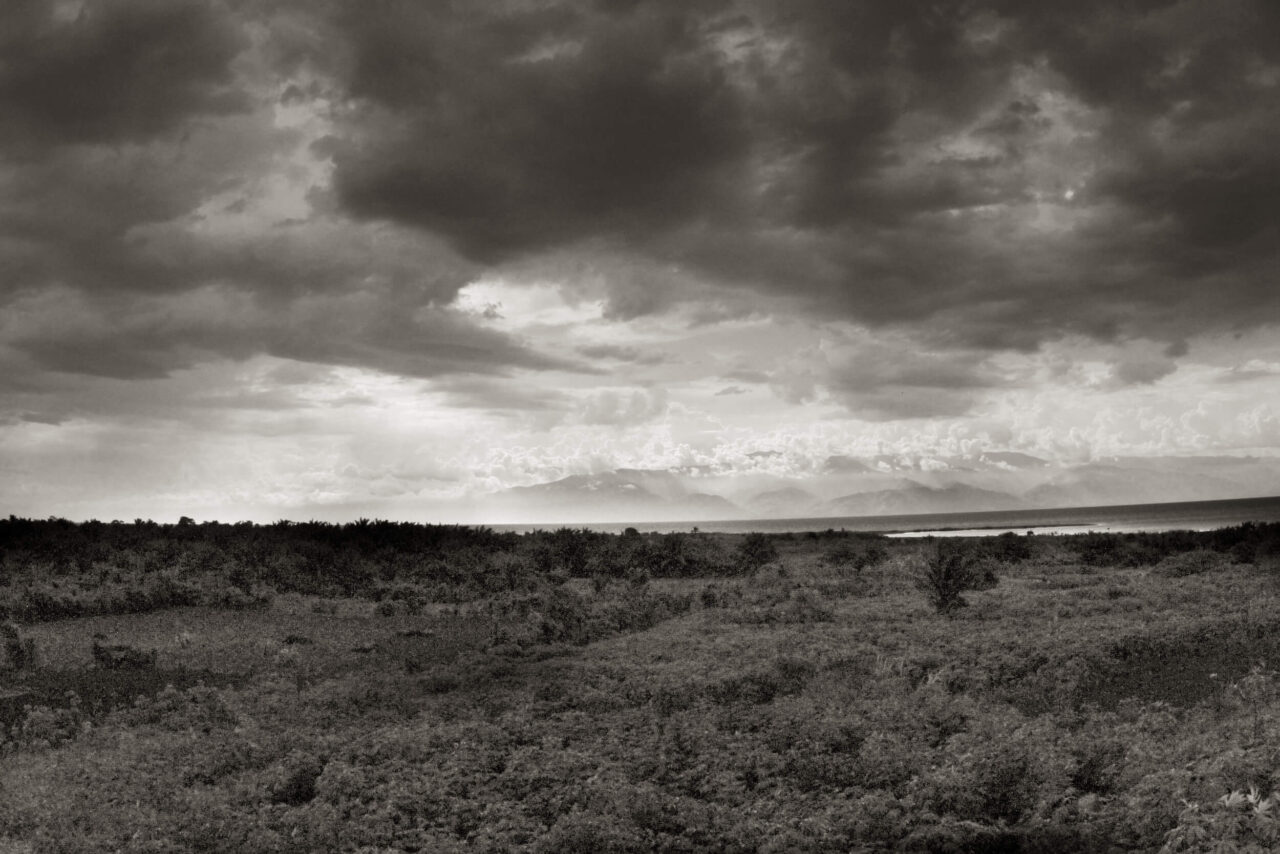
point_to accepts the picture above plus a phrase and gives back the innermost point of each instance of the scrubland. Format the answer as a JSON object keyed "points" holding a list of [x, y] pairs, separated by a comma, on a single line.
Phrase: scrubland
{"points": [[380, 687]]}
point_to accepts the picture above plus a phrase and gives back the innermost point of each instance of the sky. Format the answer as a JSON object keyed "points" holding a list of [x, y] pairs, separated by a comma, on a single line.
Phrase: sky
{"points": [[321, 259]]}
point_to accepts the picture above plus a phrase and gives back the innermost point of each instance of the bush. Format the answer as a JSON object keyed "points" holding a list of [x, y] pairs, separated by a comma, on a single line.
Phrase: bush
{"points": [[855, 555], [119, 656], [295, 779], [44, 726], [1098, 765], [787, 676], [1237, 821], [1122, 550], [788, 606], [949, 570], [1189, 563], [21, 651], [1009, 547], [755, 551], [580, 832], [678, 556]]}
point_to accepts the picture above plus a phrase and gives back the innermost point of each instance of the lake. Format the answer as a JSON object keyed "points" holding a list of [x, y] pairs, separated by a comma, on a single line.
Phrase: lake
{"points": [[1125, 518]]}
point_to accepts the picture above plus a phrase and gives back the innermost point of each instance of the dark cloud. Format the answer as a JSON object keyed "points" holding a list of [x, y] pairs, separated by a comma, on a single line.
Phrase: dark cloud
{"points": [[981, 175], [127, 113], [119, 71], [378, 327], [887, 386], [889, 380], [513, 130], [994, 174], [139, 136]]}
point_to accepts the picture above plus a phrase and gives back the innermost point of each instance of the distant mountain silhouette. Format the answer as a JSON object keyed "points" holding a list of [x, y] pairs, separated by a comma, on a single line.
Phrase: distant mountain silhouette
{"points": [[622, 495], [1136, 480], [787, 501], [882, 485], [918, 498]]}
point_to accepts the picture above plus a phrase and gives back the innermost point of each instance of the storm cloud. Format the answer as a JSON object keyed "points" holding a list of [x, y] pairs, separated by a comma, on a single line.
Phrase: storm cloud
{"points": [[990, 175], [156, 212], [635, 233], [999, 173]]}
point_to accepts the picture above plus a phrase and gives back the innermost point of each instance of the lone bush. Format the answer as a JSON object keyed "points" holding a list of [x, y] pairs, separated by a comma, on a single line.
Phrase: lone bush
{"points": [[950, 569]]}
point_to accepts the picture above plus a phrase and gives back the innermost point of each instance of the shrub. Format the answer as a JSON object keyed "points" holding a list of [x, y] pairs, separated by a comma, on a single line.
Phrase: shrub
{"points": [[579, 832], [174, 709], [1009, 547], [855, 555], [949, 570], [119, 656], [787, 676], [1188, 563], [991, 783], [295, 779], [1237, 821], [755, 551], [1098, 765], [20, 651], [876, 819], [44, 726], [1122, 550], [679, 556], [789, 606]]}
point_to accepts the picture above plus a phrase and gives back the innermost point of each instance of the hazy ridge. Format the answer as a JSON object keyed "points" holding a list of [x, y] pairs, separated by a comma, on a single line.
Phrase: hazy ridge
{"points": [[885, 486]]}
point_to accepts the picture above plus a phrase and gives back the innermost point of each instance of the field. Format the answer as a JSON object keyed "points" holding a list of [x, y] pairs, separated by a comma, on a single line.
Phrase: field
{"points": [[385, 688]]}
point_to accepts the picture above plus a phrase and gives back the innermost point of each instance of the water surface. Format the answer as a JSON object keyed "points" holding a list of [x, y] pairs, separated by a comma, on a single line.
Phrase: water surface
{"points": [[1122, 518]]}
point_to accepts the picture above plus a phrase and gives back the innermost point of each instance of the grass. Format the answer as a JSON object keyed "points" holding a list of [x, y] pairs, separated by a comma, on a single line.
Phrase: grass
{"points": [[815, 705]]}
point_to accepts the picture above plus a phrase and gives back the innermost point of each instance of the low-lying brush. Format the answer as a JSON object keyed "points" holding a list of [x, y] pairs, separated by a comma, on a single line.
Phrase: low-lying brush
{"points": [[122, 657], [459, 691], [791, 604], [555, 614], [855, 555], [1193, 562]]}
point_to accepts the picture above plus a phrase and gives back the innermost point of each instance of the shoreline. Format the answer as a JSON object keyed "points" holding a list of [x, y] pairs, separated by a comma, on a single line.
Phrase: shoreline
{"points": [[1117, 518]]}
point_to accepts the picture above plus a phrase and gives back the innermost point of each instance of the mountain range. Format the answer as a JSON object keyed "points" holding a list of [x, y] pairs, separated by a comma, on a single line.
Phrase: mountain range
{"points": [[883, 485]]}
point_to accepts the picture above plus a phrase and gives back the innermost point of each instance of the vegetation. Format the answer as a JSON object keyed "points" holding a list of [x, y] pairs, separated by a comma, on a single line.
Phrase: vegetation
{"points": [[379, 687], [20, 651], [948, 570]]}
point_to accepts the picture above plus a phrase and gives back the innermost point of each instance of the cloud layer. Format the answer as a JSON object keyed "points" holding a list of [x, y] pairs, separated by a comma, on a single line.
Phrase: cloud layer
{"points": [[633, 233], [1005, 173]]}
